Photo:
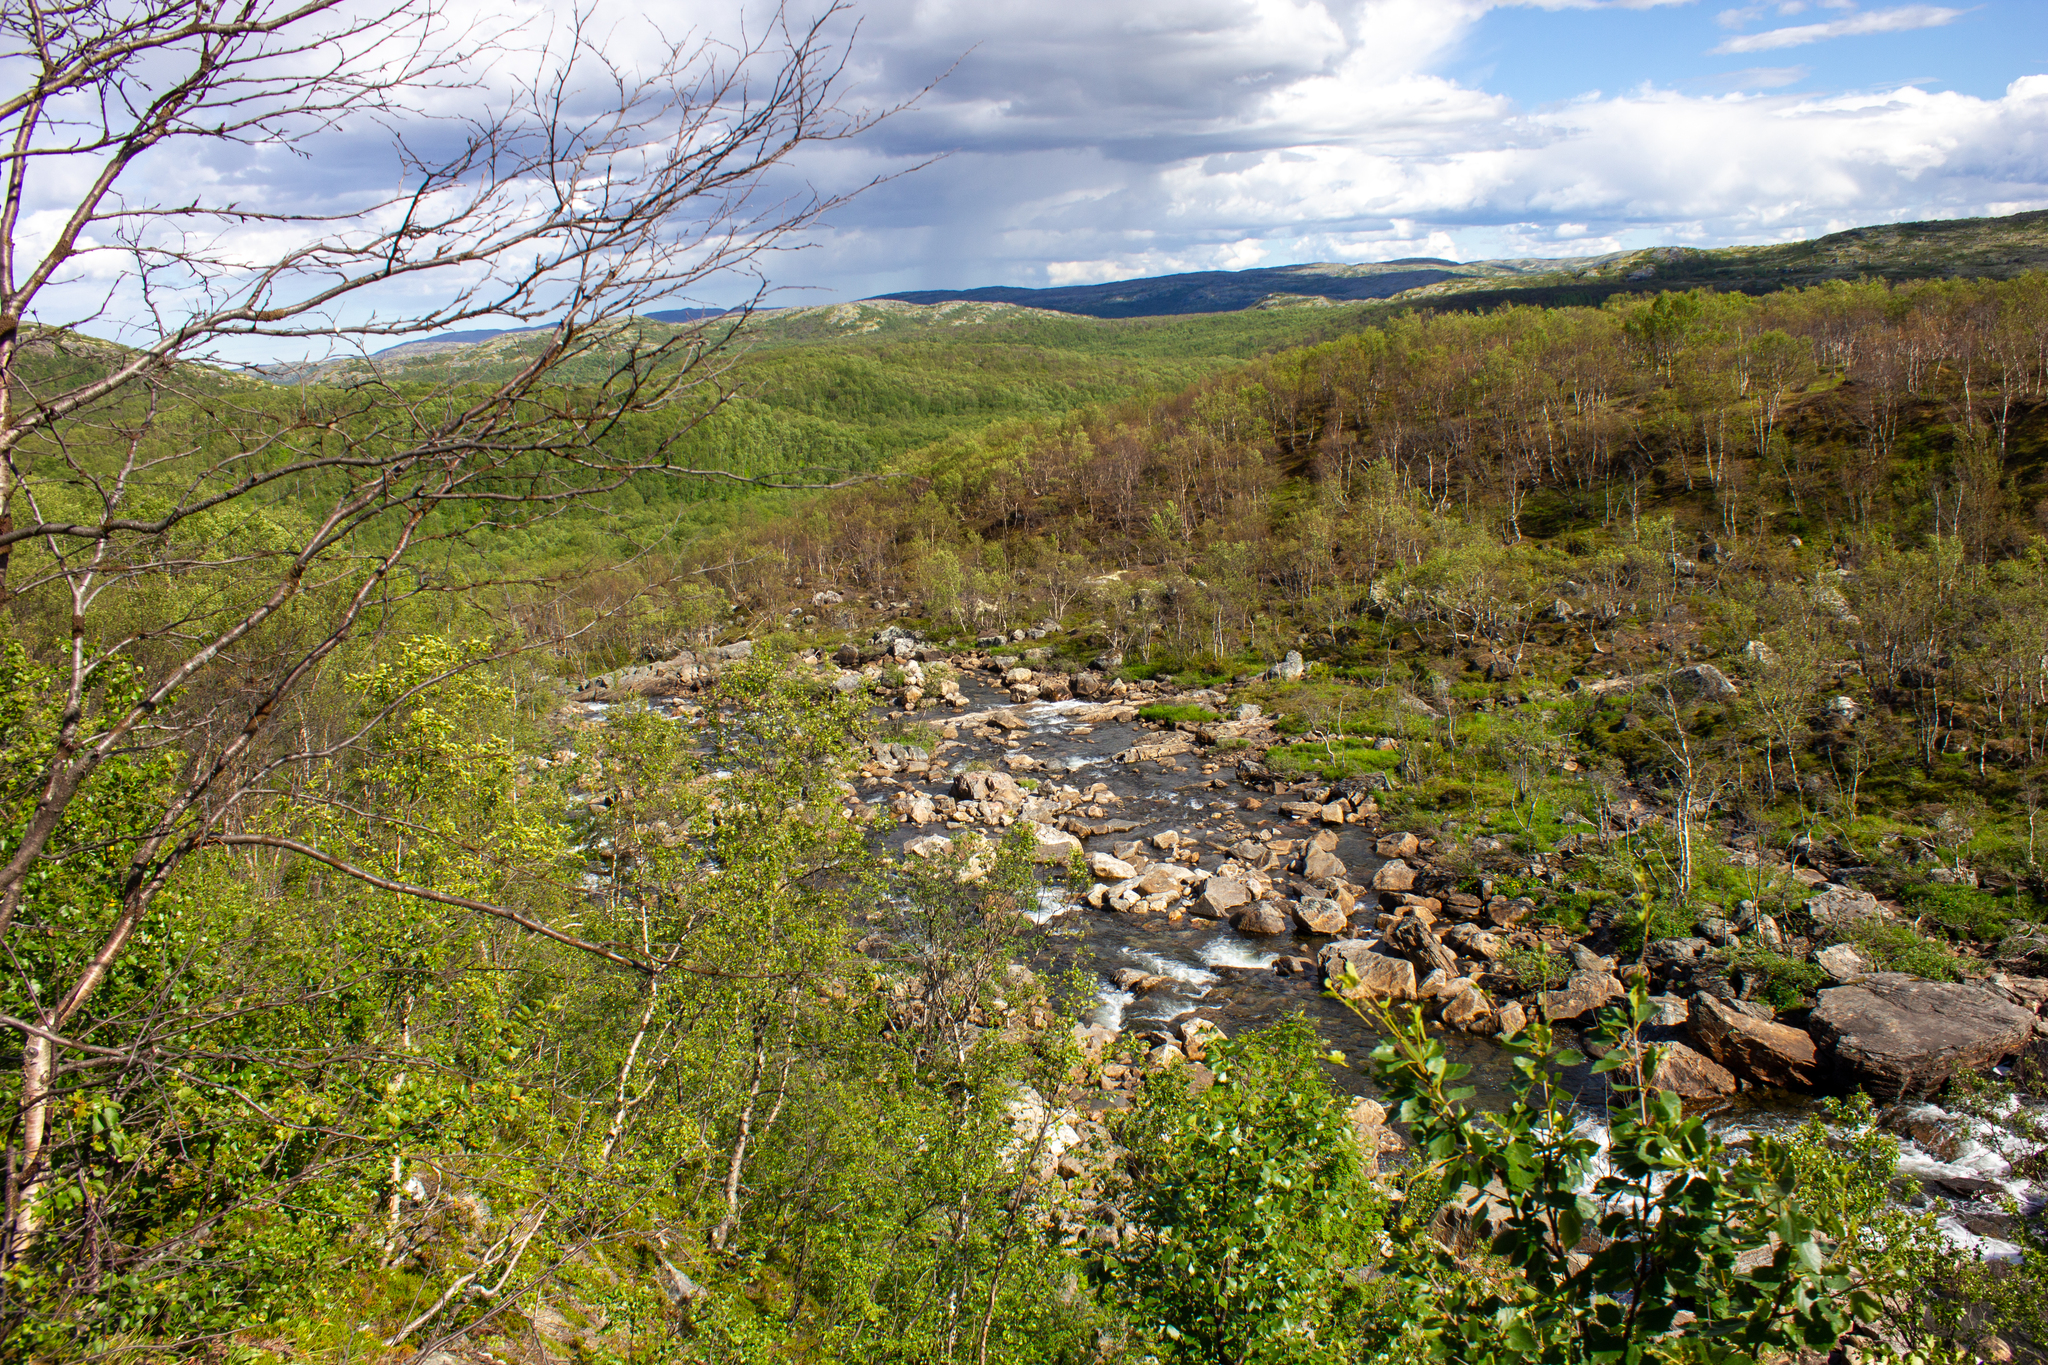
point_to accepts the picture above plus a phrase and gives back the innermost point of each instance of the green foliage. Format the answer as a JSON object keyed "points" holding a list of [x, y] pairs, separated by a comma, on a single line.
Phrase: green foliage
{"points": [[1896, 948], [1781, 981], [1969, 914], [1252, 1219], [1333, 761], [1177, 712], [1675, 1214]]}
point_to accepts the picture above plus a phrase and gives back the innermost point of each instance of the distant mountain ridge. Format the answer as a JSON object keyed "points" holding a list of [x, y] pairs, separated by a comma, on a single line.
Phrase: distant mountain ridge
{"points": [[1979, 247], [1993, 248], [1209, 291]]}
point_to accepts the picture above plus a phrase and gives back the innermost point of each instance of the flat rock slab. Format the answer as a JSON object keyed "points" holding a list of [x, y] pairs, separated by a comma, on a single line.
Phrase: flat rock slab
{"points": [[1583, 993], [1896, 1035], [1766, 1053]]}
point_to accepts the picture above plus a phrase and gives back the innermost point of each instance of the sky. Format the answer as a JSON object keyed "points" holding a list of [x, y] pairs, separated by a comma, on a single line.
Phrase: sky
{"points": [[1062, 142], [1089, 140]]}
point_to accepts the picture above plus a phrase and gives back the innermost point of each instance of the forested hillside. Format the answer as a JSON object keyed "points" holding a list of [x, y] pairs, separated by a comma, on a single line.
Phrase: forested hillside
{"points": [[506, 998]]}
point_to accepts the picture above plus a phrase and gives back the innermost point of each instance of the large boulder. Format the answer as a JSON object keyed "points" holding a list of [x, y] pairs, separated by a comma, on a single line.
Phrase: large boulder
{"points": [[1319, 915], [1754, 1049], [1842, 962], [989, 787], [1844, 910], [1050, 845], [1320, 865], [1702, 682], [1896, 1035], [1410, 936], [1398, 845], [1469, 1011], [1110, 868]]}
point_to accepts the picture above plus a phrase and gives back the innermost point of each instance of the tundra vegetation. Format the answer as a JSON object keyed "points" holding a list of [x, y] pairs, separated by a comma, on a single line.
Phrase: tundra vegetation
{"points": [[362, 1002]]}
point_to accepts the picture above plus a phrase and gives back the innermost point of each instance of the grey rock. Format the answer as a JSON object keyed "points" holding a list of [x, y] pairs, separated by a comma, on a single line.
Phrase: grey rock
{"points": [[1701, 682], [1895, 1034], [1842, 962], [1585, 959]]}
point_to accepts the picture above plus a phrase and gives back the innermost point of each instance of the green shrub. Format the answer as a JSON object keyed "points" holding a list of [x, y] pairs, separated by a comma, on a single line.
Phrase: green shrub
{"points": [[1534, 969], [1676, 1212], [1332, 762], [1252, 1216]]}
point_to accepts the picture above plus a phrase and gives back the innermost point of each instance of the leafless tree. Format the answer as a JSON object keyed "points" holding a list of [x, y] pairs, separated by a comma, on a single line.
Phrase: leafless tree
{"points": [[585, 191]]}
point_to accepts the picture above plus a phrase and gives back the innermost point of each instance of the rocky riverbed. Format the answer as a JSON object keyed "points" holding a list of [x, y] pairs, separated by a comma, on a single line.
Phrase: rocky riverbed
{"points": [[1221, 895]]}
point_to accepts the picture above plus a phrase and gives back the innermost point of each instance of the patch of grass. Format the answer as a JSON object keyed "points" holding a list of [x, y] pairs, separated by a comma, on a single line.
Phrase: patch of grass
{"points": [[1969, 913], [1896, 948], [1782, 982], [1534, 969], [1331, 762], [1176, 712]]}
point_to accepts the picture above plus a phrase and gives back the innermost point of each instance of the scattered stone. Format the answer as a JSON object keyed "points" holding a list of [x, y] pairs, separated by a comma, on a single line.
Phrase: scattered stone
{"points": [[1320, 916], [1402, 845], [1290, 668], [1895, 1034], [1220, 896], [1265, 918], [1583, 993], [1760, 1052], [1394, 876], [1842, 962], [929, 846]]}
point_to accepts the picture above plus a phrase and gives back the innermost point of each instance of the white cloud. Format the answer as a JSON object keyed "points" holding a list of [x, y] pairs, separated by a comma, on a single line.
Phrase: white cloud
{"points": [[1086, 140], [1900, 20]]}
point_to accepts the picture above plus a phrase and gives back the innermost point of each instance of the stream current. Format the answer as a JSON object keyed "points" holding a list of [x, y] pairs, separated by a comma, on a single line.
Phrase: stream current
{"points": [[1962, 1168]]}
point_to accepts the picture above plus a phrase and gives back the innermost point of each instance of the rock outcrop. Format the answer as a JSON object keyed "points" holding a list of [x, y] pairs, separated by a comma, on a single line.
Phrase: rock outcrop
{"points": [[1896, 1035]]}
